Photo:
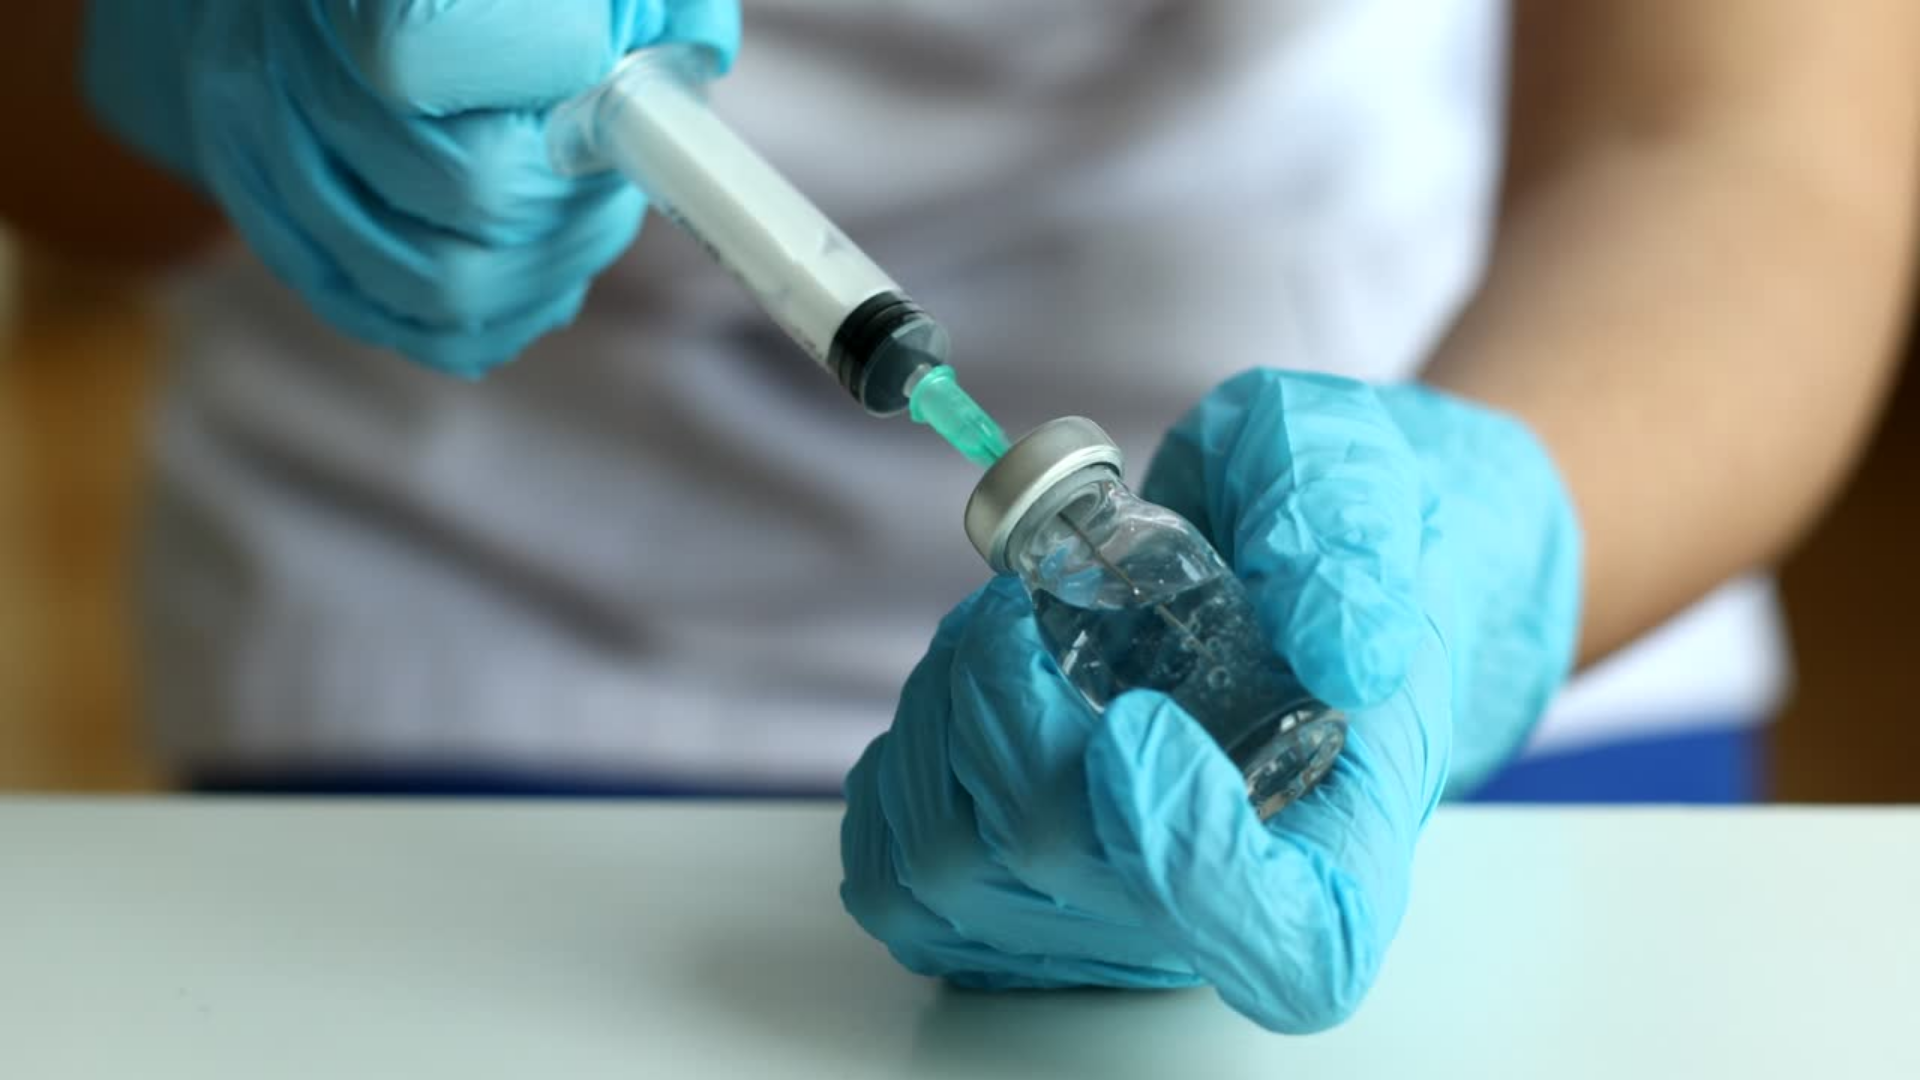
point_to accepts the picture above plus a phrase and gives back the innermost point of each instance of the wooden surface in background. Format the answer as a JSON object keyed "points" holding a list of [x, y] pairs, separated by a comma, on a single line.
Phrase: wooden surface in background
{"points": [[1852, 733], [76, 370], [75, 377]]}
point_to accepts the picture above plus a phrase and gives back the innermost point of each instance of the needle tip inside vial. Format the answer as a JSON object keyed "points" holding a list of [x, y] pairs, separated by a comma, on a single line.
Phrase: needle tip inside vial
{"points": [[939, 402]]}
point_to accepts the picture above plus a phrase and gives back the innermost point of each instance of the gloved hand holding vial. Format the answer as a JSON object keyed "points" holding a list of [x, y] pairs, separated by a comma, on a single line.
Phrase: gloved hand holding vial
{"points": [[1180, 835], [1003, 836]]}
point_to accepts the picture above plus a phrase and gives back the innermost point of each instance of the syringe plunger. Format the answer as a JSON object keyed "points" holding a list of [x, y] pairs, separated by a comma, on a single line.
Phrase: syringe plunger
{"points": [[649, 119]]}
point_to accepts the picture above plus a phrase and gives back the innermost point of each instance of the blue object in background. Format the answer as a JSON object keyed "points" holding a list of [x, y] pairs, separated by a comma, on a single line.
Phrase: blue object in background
{"points": [[458, 783], [1717, 764]]}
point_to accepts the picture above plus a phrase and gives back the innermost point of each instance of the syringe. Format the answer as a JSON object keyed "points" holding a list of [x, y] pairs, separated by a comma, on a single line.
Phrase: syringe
{"points": [[649, 119]]}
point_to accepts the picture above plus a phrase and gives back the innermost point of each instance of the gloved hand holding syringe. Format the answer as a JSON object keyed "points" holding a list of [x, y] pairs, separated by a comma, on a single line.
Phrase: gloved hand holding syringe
{"points": [[649, 119]]}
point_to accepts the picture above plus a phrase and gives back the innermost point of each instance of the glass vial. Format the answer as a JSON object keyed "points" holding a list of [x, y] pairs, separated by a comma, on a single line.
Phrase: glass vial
{"points": [[1129, 595]]}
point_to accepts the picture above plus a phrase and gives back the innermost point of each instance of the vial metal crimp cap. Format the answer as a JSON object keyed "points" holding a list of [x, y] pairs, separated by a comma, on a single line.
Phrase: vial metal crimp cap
{"points": [[1030, 468]]}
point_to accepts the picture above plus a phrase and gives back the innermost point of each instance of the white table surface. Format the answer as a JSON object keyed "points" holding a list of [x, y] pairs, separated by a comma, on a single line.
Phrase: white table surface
{"points": [[162, 939]]}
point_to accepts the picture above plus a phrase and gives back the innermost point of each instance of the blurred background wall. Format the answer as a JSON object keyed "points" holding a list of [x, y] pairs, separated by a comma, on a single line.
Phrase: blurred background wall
{"points": [[1852, 733], [78, 365], [77, 360]]}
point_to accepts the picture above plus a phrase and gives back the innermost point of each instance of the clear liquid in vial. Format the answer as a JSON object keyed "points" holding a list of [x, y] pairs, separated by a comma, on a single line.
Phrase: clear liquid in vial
{"points": [[1204, 648]]}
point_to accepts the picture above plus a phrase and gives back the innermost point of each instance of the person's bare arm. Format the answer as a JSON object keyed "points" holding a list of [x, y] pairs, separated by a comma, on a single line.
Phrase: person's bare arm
{"points": [[1700, 274], [67, 184]]}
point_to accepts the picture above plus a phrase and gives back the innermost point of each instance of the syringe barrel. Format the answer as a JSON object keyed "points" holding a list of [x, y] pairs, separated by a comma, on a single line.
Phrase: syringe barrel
{"points": [[650, 120]]}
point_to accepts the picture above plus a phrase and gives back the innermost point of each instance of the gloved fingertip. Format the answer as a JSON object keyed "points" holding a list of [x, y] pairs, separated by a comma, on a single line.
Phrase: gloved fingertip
{"points": [[1187, 473], [1244, 389], [1350, 639], [1137, 727], [1001, 642], [869, 887], [1147, 741], [1284, 936], [1157, 780], [1122, 743], [1328, 970], [863, 779], [713, 23], [440, 59], [1005, 595]]}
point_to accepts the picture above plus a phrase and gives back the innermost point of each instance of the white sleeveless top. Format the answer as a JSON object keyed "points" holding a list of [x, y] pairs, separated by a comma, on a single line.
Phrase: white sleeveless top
{"points": [[663, 546]]}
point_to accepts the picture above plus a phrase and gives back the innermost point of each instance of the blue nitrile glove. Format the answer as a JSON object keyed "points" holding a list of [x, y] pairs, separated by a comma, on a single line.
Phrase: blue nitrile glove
{"points": [[387, 158], [1418, 560]]}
